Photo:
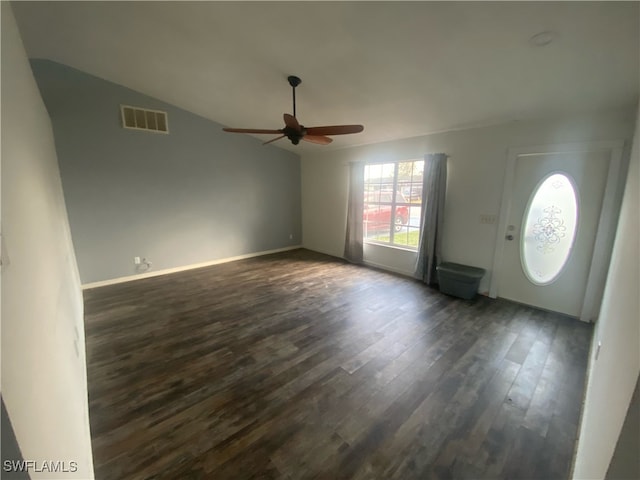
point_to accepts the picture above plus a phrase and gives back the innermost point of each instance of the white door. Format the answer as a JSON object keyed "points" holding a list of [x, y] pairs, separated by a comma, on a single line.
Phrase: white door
{"points": [[550, 228]]}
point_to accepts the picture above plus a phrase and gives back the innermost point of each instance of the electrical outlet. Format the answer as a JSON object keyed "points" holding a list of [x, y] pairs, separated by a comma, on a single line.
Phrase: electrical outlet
{"points": [[291, 236], [136, 260]]}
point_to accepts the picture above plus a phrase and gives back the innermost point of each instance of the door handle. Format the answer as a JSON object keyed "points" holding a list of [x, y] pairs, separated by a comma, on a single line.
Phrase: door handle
{"points": [[509, 237]]}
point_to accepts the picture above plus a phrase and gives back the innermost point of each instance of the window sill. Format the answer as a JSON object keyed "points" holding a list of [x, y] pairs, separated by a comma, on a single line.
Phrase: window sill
{"points": [[393, 247]]}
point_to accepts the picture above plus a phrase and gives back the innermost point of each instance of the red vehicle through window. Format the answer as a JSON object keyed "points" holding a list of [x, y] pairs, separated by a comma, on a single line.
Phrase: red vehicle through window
{"points": [[378, 209]]}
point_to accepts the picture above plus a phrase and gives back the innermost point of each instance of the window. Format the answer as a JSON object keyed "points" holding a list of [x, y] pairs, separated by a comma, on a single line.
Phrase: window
{"points": [[393, 203]]}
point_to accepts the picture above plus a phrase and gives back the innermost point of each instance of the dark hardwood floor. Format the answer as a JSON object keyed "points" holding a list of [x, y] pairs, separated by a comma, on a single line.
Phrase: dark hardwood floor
{"points": [[298, 365]]}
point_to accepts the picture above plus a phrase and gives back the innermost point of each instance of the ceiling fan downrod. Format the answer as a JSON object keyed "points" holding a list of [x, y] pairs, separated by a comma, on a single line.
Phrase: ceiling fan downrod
{"points": [[294, 82]]}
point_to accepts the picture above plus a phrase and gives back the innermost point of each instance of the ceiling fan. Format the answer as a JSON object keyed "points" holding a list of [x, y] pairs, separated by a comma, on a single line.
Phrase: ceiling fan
{"points": [[296, 132]]}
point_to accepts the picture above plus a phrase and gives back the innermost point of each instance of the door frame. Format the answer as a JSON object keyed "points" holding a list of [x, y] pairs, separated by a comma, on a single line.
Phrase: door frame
{"points": [[606, 224]]}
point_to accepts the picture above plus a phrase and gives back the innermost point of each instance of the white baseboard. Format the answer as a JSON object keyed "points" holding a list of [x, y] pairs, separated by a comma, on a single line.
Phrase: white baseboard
{"points": [[388, 269], [367, 263], [168, 271]]}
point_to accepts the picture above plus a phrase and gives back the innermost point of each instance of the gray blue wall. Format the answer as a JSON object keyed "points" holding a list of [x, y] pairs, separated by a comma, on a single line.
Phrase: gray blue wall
{"points": [[195, 195]]}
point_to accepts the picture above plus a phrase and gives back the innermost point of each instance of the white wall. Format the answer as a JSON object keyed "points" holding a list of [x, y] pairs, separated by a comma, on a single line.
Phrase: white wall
{"points": [[476, 168], [612, 377], [43, 353]]}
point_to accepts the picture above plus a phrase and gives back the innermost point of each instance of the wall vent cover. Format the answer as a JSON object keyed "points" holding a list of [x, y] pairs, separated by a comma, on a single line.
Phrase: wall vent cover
{"points": [[144, 119]]}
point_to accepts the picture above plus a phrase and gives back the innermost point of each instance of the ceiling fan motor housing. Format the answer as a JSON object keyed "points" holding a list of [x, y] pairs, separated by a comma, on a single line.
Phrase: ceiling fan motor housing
{"points": [[294, 135]]}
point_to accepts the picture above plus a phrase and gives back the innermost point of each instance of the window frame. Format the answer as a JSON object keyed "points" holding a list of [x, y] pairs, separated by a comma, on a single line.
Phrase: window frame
{"points": [[395, 202]]}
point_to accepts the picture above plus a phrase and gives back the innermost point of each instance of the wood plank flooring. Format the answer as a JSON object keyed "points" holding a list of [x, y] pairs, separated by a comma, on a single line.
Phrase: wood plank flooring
{"points": [[298, 366]]}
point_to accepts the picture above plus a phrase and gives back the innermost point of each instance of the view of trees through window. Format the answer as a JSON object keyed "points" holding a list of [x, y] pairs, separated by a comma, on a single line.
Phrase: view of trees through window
{"points": [[393, 203]]}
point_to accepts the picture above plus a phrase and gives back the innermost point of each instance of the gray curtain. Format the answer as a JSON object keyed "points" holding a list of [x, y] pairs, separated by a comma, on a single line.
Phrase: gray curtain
{"points": [[433, 194], [355, 211]]}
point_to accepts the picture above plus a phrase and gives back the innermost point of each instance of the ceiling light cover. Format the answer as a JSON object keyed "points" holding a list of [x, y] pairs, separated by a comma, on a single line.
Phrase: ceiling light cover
{"points": [[542, 39]]}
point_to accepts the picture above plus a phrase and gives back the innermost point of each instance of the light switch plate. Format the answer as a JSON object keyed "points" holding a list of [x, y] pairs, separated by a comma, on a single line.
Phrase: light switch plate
{"points": [[487, 219]]}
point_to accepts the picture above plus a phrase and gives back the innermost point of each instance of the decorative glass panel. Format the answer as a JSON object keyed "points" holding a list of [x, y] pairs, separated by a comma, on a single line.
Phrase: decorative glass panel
{"points": [[549, 228]]}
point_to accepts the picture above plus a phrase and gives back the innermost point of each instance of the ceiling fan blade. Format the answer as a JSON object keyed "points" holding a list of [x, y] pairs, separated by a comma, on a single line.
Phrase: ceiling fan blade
{"points": [[273, 140], [319, 139], [335, 130], [291, 122], [250, 130]]}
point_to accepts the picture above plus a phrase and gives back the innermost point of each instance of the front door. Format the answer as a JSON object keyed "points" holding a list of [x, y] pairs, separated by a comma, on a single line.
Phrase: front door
{"points": [[551, 227]]}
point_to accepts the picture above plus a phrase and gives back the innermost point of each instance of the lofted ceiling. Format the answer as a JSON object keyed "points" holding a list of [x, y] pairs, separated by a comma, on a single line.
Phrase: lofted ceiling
{"points": [[401, 69]]}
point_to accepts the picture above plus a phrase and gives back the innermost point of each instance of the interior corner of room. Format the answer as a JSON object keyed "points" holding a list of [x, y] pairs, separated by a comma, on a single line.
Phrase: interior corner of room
{"points": [[118, 172]]}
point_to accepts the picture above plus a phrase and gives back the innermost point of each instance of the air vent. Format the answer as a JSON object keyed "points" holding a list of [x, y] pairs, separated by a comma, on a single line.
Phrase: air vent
{"points": [[144, 119]]}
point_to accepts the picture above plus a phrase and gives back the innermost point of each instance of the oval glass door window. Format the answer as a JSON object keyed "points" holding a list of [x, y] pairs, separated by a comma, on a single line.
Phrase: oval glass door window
{"points": [[549, 229]]}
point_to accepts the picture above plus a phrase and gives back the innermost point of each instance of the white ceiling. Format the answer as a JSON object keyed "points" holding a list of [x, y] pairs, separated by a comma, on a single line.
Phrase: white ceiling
{"points": [[400, 69]]}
